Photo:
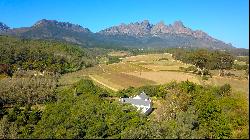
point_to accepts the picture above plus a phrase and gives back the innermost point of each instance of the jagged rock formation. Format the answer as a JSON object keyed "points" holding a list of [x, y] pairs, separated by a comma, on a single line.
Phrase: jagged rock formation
{"points": [[138, 34], [146, 29], [63, 25]]}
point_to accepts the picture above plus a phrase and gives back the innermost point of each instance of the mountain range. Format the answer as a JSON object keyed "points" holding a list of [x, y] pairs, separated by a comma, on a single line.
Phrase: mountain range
{"points": [[138, 34]]}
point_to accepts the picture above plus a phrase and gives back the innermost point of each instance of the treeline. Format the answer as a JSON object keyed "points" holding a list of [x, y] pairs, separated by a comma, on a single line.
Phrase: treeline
{"points": [[42, 55], [203, 58], [211, 60], [82, 111]]}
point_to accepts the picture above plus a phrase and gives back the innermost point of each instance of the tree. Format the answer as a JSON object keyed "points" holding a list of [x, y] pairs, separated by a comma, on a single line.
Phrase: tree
{"points": [[200, 59], [224, 61]]}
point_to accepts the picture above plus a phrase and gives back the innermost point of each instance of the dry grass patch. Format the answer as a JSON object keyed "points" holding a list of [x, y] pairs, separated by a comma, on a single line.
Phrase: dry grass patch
{"points": [[101, 69], [240, 74], [156, 62], [119, 53], [105, 82], [236, 84], [121, 80], [123, 67], [162, 77], [161, 67], [148, 57]]}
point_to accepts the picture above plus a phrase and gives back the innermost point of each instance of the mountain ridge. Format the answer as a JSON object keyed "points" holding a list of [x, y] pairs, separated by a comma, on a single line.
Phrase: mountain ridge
{"points": [[154, 30], [3, 27], [135, 34]]}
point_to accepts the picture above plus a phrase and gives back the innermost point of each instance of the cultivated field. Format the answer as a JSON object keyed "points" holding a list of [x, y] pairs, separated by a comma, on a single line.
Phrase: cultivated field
{"points": [[162, 77], [157, 62], [150, 69], [120, 80]]}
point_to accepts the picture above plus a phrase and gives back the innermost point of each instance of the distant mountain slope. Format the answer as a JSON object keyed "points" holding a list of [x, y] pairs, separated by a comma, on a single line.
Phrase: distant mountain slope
{"points": [[138, 34], [52, 29], [161, 35], [3, 27]]}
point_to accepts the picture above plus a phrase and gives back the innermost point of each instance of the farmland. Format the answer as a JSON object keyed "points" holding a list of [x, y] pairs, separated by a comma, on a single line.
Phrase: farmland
{"points": [[157, 62], [131, 71], [95, 90], [151, 69], [121, 80], [162, 77]]}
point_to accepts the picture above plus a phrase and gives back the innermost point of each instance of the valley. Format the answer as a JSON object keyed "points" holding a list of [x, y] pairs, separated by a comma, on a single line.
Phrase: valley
{"points": [[53, 89], [137, 80], [152, 69], [124, 69]]}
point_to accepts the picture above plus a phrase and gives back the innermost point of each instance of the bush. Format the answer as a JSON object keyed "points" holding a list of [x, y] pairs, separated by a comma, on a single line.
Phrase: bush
{"points": [[113, 59], [225, 90], [240, 67]]}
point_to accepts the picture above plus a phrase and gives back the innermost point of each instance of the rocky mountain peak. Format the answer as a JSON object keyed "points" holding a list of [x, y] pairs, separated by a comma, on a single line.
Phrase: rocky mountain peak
{"points": [[45, 22], [161, 23], [139, 29], [144, 28], [3, 27], [136, 34], [160, 28], [145, 22], [132, 29], [178, 24], [179, 28], [64, 25]]}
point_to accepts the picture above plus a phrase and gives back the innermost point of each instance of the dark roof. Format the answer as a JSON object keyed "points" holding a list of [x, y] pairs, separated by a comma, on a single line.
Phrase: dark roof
{"points": [[143, 96]]}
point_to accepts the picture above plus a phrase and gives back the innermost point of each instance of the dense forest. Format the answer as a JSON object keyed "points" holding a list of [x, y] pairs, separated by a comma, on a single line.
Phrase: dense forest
{"points": [[42, 55], [34, 105], [51, 56]]}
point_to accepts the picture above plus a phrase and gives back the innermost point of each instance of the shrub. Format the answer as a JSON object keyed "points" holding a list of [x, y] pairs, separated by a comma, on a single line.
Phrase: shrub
{"points": [[225, 89]]}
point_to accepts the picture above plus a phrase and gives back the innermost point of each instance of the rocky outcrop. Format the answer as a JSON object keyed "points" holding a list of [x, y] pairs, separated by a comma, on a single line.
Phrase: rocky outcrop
{"points": [[144, 28], [134, 29], [63, 25]]}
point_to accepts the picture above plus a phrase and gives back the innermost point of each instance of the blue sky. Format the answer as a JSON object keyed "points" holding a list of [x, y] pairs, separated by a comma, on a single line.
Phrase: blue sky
{"points": [[227, 20]]}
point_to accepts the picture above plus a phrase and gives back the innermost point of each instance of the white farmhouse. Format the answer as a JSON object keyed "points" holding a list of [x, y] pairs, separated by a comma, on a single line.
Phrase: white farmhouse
{"points": [[142, 102]]}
